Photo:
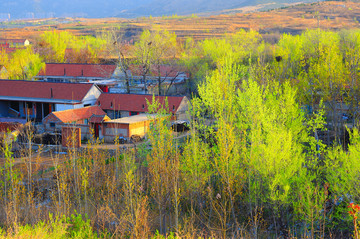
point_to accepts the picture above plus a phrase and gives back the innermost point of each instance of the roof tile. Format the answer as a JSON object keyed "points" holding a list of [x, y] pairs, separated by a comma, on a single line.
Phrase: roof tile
{"points": [[68, 116], [78, 70], [46, 90], [134, 102]]}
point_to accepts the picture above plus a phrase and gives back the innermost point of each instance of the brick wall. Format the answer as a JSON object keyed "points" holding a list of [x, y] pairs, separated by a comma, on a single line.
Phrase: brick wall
{"points": [[71, 137]]}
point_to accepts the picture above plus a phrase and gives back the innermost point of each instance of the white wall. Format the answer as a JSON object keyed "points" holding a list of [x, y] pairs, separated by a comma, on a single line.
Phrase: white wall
{"points": [[182, 112], [92, 95], [61, 107]]}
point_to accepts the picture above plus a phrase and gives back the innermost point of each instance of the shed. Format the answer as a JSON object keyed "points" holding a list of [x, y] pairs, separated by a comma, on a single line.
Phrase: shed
{"points": [[127, 127], [76, 117]]}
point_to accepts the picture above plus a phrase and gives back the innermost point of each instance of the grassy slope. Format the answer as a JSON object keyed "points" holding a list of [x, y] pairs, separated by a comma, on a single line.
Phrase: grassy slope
{"points": [[294, 19]]}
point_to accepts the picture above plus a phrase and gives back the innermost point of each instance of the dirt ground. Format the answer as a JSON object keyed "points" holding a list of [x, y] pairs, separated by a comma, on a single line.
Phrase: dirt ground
{"points": [[51, 155]]}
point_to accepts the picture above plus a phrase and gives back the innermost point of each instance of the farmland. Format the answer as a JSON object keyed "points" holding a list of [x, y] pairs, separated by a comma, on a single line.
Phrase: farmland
{"points": [[293, 20]]}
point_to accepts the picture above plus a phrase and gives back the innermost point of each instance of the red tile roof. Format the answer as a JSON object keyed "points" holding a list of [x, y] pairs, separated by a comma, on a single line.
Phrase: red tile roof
{"points": [[78, 70], [68, 116], [2, 40], [136, 103], [98, 118], [39, 89]]}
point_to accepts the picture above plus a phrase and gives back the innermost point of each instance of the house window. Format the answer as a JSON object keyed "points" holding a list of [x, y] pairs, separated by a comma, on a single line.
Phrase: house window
{"points": [[173, 107], [143, 106], [111, 105], [86, 105], [86, 121], [52, 124]]}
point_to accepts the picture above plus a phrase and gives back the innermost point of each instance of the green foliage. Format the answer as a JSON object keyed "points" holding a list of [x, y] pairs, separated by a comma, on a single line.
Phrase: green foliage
{"points": [[53, 45], [79, 228], [168, 236], [344, 170], [238, 46], [153, 50], [24, 64], [253, 156], [71, 227]]}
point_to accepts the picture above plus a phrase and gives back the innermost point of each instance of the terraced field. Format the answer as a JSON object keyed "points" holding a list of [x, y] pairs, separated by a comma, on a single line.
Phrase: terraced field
{"points": [[293, 19]]}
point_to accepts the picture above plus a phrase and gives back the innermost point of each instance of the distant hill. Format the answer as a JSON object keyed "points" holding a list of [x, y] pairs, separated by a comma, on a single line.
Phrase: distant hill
{"points": [[25, 9], [203, 7], [20, 9]]}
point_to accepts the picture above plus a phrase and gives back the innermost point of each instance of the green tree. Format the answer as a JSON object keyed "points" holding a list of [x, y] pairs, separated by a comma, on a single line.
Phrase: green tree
{"points": [[163, 163], [151, 51], [164, 52], [53, 44], [350, 48], [63, 46], [24, 64]]}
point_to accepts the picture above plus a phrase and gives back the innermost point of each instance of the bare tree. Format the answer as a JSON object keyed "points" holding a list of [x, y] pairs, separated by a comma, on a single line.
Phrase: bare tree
{"points": [[119, 47], [152, 52]]}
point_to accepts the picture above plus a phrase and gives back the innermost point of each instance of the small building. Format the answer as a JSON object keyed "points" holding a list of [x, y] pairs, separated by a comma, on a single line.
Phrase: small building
{"points": [[74, 72], [124, 105], [33, 100], [87, 118], [126, 127], [13, 43]]}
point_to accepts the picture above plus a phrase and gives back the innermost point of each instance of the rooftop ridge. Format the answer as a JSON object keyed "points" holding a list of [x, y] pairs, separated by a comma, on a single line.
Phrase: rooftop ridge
{"points": [[47, 82]]}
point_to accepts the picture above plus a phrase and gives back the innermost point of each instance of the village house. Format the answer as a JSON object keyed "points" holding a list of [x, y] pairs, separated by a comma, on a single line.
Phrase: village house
{"points": [[124, 105], [74, 72], [33, 100], [126, 127], [173, 79], [86, 118], [14, 42], [11, 45]]}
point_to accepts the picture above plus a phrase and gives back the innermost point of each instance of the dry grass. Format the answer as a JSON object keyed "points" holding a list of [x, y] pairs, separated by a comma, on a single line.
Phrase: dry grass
{"points": [[294, 19]]}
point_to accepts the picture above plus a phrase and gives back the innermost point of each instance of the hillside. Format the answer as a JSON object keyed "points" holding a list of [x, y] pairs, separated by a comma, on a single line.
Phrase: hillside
{"points": [[30, 9], [293, 19]]}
